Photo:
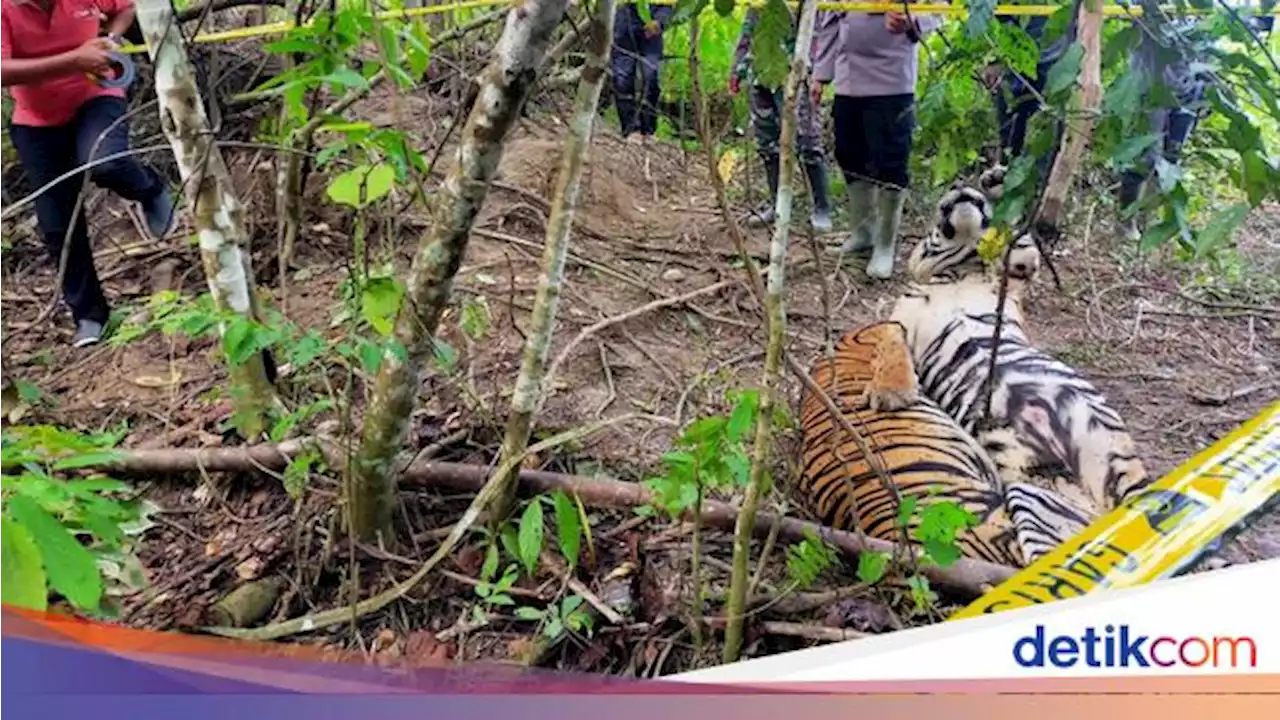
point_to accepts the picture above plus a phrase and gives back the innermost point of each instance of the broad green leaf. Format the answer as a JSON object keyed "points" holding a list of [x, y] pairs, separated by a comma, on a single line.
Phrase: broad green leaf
{"points": [[23, 581], [1064, 72], [1131, 149], [705, 429], [70, 567], [347, 78], [361, 186], [872, 566], [568, 526], [490, 567], [725, 7], [379, 303], [1257, 177], [370, 357], [1219, 228], [905, 511], [530, 537], [475, 317]]}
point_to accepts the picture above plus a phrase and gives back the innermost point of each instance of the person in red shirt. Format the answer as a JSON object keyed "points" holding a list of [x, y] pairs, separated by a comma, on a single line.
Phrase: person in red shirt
{"points": [[50, 50]]}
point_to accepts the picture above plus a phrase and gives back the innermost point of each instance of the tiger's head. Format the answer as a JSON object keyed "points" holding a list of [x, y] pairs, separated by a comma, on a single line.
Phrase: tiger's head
{"points": [[950, 252], [964, 213]]}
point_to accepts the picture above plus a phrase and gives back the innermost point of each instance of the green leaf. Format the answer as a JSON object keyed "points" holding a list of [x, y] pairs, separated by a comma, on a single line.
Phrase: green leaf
{"points": [[490, 566], [22, 578], [475, 317], [306, 349], [71, 568], [370, 357], [704, 429], [530, 537], [905, 511], [347, 78], [568, 526], [379, 302], [83, 460], [525, 612], [771, 63], [1064, 72], [361, 186], [921, 593], [1257, 177], [981, 12], [501, 599], [509, 542], [743, 415], [725, 7], [1218, 230], [871, 566], [686, 10], [1132, 149]]}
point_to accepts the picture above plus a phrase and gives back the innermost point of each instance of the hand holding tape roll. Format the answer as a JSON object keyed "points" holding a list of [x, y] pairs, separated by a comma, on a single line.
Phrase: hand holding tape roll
{"points": [[123, 78]]}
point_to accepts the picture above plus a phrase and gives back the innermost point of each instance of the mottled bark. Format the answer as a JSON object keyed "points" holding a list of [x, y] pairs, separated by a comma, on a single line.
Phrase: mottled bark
{"points": [[533, 366], [1078, 127], [211, 199], [503, 88], [775, 315]]}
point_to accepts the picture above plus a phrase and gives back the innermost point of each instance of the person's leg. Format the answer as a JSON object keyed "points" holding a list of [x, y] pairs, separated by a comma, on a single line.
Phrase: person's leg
{"points": [[853, 155], [809, 149], [650, 64], [623, 68], [766, 121], [891, 123], [1132, 179], [100, 132], [46, 154]]}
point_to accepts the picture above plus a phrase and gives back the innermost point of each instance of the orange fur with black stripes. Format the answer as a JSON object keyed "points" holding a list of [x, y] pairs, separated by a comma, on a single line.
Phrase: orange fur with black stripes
{"points": [[925, 453]]}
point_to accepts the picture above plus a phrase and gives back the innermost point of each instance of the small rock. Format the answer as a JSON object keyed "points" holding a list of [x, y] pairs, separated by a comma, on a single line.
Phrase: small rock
{"points": [[673, 275], [249, 569]]}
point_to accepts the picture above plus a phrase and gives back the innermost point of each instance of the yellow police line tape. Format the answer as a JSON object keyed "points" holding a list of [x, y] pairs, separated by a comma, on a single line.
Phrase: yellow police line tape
{"points": [[1160, 531], [284, 26]]}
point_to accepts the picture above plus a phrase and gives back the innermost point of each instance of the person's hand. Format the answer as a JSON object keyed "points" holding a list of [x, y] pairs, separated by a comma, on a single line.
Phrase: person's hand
{"points": [[896, 22], [815, 92], [93, 57], [734, 84], [651, 29]]}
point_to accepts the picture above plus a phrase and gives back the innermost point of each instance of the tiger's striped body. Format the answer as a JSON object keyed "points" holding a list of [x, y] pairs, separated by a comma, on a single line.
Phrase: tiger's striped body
{"points": [[1059, 420], [924, 452]]}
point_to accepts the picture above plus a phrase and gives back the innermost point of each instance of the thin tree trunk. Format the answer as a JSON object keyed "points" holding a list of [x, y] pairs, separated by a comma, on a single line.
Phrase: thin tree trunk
{"points": [[776, 317], [533, 366], [503, 88], [1078, 126], [217, 213]]}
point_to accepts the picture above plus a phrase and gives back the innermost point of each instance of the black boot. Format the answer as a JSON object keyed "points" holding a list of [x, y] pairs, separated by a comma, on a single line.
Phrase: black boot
{"points": [[820, 217], [765, 215]]}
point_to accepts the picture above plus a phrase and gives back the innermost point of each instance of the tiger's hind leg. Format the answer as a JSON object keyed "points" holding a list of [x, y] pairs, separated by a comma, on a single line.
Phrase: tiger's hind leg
{"points": [[1043, 519], [893, 384]]}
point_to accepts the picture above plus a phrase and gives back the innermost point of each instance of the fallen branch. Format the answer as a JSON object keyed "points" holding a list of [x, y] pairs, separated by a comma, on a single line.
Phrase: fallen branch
{"points": [[966, 576]]}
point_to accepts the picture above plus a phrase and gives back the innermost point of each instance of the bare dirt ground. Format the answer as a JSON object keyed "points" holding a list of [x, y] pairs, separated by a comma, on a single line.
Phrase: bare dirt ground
{"points": [[1183, 363]]}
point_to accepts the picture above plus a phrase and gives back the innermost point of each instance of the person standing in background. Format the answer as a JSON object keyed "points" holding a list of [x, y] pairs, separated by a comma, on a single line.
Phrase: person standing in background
{"points": [[872, 59], [766, 115], [49, 50], [1017, 98], [1164, 60], [637, 50]]}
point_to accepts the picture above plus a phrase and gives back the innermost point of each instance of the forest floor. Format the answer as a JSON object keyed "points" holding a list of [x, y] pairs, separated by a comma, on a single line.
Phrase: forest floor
{"points": [[1182, 365]]}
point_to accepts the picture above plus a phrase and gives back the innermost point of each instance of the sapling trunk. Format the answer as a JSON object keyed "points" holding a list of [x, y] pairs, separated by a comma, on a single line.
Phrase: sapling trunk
{"points": [[503, 88], [533, 366], [775, 316], [211, 198], [1078, 125]]}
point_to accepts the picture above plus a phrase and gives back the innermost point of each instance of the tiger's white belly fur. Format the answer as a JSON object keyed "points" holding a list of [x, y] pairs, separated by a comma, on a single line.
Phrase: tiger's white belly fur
{"points": [[1055, 417]]}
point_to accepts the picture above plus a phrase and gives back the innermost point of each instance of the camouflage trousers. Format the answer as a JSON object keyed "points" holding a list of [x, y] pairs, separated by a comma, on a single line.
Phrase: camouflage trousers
{"points": [[766, 116]]}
